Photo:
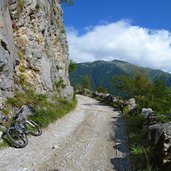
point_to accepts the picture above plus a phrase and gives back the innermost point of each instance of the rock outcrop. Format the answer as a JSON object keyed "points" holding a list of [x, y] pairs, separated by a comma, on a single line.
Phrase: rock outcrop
{"points": [[33, 49], [7, 53], [160, 137]]}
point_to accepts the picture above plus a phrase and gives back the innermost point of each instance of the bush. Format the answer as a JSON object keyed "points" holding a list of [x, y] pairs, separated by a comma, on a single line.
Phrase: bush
{"points": [[37, 7], [20, 54], [20, 6]]}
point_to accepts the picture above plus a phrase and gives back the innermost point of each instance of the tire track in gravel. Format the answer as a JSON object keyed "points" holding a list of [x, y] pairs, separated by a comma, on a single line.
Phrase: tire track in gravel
{"points": [[91, 138]]}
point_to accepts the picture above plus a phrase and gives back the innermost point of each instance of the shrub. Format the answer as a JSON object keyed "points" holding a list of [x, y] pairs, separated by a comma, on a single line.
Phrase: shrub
{"points": [[37, 7], [140, 160], [12, 101], [20, 55], [22, 68], [20, 6], [23, 78], [54, 12], [61, 83]]}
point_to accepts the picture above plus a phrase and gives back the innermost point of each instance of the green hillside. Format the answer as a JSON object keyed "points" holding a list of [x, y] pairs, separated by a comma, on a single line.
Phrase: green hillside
{"points": [[102, 72]]}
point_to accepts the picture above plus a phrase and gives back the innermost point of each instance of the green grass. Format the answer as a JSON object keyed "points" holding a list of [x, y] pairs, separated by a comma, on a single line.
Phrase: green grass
{"points": [[50, 112], [46, 110], [20, 6], [4, 144], [140, 152]]}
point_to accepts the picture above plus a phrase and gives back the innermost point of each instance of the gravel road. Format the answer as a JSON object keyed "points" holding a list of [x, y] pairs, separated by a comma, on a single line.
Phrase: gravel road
{"points": [[91, 138]]}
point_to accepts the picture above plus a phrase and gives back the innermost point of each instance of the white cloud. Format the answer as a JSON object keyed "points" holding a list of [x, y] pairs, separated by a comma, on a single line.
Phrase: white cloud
{"points": [[123, 41]]}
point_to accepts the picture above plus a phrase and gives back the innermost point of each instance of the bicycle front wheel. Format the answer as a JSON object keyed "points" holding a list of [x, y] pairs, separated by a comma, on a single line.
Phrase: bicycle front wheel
{"points": [[18, 139], [33, 128]]}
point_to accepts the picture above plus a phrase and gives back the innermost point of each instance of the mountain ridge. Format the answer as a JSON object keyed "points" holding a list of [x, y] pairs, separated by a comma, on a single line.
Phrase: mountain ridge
{"points": [[101, 73]]}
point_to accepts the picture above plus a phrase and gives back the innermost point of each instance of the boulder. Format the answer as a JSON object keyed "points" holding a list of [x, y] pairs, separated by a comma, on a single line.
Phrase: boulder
{"points": [[159, 136], [149, 115], [85, 92], [146, 111], [26, 111], [131, 104], [1, 134], [96, 94], [151, 119], [108, 98]]}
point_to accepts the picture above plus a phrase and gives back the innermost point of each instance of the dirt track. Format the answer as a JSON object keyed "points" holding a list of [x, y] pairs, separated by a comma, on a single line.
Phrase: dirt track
{"points": [[91, 138]]}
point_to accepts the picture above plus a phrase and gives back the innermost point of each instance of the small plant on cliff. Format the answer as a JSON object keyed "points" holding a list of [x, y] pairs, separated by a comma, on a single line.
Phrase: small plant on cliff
{"points": [[67, 2], [23, 80], [54, 12], [20, 54], [61, 83], [58, 67], [22, 68], [20, 6], [37, 7]]}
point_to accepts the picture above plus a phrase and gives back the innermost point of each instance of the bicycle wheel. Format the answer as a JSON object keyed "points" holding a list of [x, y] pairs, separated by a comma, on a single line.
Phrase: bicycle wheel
{"points": [[18, 139], [33, 128]]}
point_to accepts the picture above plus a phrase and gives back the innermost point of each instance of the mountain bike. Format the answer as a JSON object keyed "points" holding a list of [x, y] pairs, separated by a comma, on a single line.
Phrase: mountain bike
{"points": [[18, 130]]}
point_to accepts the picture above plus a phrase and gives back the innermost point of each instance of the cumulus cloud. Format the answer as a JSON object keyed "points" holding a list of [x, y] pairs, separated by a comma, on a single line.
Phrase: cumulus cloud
{"points": [[123, 41]]}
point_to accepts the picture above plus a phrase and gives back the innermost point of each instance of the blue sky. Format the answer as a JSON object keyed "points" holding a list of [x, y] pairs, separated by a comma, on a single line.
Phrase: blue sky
{"points": [[116, 26]]}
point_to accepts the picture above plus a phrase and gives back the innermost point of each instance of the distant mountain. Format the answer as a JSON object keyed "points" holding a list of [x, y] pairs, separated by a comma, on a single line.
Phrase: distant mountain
{"points": [[102, 72]]}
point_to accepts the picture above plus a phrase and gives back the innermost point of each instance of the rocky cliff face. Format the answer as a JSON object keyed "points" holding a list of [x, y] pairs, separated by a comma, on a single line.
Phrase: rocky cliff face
{"points": [[34, 49], [7, 53]]}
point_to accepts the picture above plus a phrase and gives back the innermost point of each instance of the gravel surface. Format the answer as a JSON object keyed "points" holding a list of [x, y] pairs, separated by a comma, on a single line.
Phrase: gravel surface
{"points": [[91, 138]]}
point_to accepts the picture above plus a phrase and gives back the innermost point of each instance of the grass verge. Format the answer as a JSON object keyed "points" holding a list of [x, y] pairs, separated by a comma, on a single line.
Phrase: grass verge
{"points": [[46, 110], [50, 112]]}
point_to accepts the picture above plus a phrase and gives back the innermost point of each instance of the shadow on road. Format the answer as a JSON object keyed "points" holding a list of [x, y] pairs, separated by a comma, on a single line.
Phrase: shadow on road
{"points": [[121, 162]]}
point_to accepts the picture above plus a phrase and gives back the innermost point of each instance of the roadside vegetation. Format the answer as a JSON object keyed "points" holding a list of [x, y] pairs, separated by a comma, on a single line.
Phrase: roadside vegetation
{"points": [[148, 94], [46, 110]]}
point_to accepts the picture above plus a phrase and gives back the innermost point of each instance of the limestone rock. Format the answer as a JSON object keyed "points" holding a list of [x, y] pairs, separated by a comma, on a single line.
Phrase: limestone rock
{"points": [[146, 111], [131, 104], [1, 134], [7, 53], [26, 110], [33, 48]]}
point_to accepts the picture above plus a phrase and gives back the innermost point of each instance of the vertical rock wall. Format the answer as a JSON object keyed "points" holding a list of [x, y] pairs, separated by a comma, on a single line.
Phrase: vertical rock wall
{"points": [[33, 48], [41, 48], [7, 53]]}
